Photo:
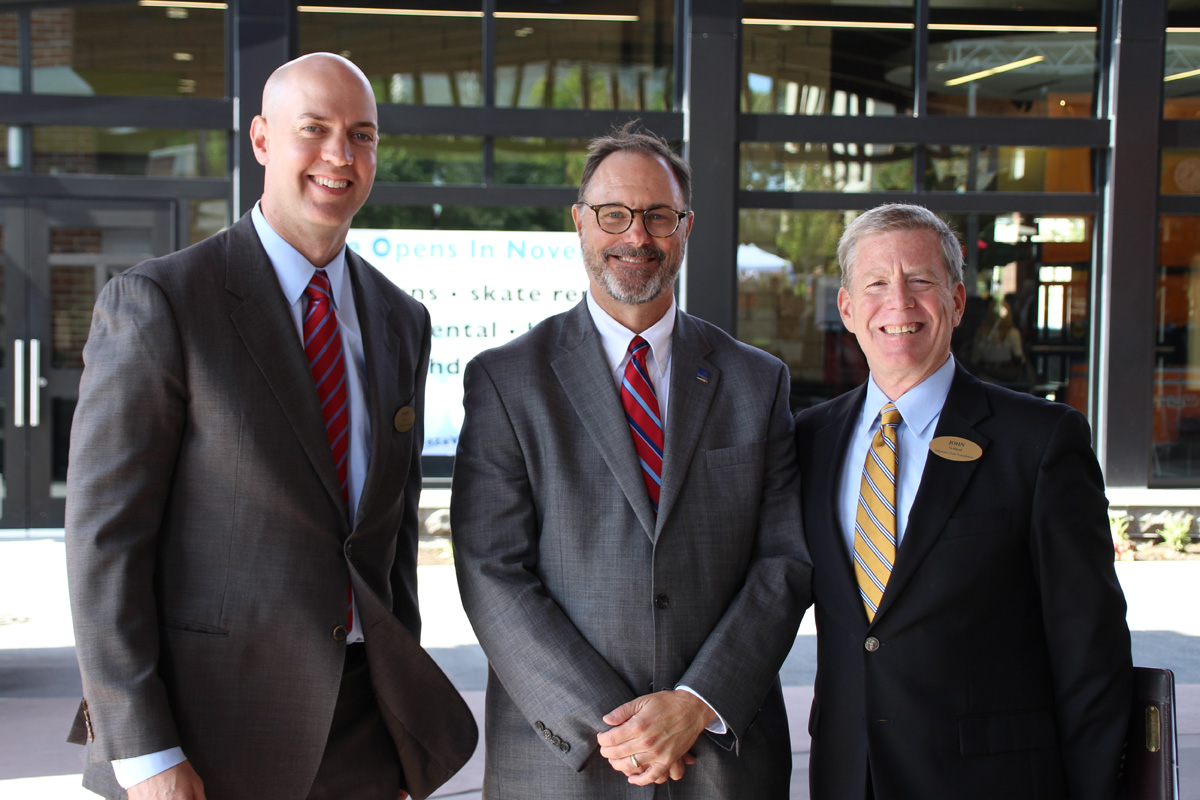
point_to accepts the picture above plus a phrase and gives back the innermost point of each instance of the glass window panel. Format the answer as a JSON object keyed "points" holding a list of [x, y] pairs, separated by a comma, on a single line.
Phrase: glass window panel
{"points": [[1017, 330], [429, 159], [465, 218], [841, 59], [129, 151], [10, 148], [1180, 171], [543, 162], [1038, 59], [823, 167], [207, 217], [412, 56], [10, 54], [128, 49], [1181, 68], [620, 57], [1176, 429], [955, 168]]}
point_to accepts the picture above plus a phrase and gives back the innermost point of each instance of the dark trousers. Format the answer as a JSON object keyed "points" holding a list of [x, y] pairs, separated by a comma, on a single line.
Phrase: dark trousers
{"points": [[360, 761]]}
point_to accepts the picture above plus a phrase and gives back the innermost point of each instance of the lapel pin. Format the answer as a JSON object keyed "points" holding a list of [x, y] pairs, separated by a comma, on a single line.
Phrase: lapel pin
{"points": [[955, 449], [702, 375], [404, 419]]}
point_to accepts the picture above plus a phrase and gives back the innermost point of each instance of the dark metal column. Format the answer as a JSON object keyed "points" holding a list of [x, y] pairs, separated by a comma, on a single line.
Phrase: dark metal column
{"points": [[1125, 317], [712, 84], [260, 43]]}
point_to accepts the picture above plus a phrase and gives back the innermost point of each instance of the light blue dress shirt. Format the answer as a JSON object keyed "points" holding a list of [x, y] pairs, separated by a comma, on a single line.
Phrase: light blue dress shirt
{"points": [[294, 272], [921, 408]]}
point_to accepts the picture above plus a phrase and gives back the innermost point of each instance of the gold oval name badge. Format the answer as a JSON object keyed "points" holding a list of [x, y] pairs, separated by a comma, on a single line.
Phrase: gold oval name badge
{"points": [[954, 449], [404, 419]]}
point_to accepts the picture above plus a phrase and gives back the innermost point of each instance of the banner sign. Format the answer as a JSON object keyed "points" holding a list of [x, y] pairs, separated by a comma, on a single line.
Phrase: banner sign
{"points": [[482, 289]]}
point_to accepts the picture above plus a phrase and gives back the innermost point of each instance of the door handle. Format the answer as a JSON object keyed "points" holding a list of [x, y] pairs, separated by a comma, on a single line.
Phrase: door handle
{"points": [[35, 382], [19, 383]]}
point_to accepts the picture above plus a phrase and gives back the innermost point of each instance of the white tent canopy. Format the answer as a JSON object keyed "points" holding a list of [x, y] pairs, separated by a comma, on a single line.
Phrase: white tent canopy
{"points": [[752, 259]]}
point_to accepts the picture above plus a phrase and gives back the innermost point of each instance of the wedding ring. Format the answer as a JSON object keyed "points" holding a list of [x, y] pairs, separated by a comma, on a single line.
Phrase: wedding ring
{"points": [[633, 759]]}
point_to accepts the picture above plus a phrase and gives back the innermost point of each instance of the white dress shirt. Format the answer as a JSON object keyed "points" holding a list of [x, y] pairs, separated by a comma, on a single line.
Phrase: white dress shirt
{"points": [[294, 272]]}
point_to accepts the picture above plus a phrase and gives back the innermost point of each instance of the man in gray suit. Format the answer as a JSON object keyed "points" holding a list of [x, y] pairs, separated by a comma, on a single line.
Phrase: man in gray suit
{"points": [[626, 526], [242, 496]]}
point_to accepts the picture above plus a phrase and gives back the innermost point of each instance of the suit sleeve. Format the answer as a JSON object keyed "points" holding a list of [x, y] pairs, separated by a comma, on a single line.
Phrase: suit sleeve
{"points": [[1083, 610], [741, 658], [125, 438], [528, 638]]}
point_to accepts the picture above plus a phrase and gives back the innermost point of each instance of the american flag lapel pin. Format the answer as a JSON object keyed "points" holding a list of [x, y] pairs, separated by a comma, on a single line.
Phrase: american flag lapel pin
{"points": [[702, 375]]}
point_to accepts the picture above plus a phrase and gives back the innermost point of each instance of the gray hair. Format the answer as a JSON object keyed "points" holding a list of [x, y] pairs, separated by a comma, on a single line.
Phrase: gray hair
{"points": [[900, 217], [629, 138]]}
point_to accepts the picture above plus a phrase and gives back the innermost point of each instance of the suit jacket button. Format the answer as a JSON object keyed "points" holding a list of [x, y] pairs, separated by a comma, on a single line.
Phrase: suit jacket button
{"points": [[556, 741], [662, 601], [339, 633], [565, 748], [547, 734], [871, 644], [540, 727]]}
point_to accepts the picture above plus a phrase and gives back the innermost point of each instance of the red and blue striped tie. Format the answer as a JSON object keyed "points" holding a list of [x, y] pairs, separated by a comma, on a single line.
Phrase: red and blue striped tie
{"points": [[641, 409], [323, 349]]}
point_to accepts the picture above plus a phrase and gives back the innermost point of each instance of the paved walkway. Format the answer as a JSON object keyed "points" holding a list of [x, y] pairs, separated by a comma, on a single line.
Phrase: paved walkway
{"points": [[39, 682]]}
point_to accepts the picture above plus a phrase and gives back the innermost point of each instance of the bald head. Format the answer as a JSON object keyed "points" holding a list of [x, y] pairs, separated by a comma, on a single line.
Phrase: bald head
{"points": [[316, 137], [314, 66]]}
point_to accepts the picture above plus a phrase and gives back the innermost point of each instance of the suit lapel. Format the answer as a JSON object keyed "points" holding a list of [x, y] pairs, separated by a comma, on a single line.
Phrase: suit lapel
{"points": [[824, 491], [265, 323], [586, 379], [385, 360], [690, 399], [942, 482]]}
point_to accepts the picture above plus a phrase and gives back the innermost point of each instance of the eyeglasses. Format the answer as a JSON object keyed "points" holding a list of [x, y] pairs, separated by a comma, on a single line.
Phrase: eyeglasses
{"points": [[660, 221]]}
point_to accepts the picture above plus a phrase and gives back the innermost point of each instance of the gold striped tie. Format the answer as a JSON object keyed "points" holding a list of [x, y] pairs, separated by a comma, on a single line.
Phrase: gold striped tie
{"points": [[875, 522]]}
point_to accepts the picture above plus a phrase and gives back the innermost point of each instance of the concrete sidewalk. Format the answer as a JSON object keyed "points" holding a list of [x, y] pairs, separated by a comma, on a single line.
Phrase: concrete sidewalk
{"points": [[39, 682]]}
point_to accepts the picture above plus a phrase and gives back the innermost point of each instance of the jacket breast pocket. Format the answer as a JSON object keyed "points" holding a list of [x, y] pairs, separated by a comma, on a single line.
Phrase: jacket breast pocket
{"points": [[749, 453]]}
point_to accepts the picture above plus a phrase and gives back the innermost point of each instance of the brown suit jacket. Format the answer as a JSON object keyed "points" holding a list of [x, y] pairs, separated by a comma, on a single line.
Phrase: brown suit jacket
{"points": [[206, 543]]}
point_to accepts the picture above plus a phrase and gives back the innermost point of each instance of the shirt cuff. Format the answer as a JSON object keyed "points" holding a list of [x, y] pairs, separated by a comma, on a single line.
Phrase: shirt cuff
{"points": [[717, 725], [132, 771]]}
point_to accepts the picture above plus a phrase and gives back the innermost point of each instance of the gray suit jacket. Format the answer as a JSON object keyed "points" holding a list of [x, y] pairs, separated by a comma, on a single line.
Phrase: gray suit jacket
{"points": [[584, 600], [207, 544]]}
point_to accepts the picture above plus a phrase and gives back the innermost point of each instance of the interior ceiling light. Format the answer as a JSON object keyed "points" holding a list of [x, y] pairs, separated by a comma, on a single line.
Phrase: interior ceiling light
{"points": [[394, 12], [908, 26], [828, 23], [948, 26], [1178, 76], [183, 4], [566, 17], [429, 12], [974, 76], [184, 57]]}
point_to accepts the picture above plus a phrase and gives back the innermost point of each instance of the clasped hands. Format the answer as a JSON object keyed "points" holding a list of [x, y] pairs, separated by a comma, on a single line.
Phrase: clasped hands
{"points": [[651, 736]]}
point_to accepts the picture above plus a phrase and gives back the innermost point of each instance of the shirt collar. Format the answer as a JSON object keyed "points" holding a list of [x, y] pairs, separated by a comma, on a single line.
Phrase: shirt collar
{"points": [[294, 270], [920, 405], [616, 337]]}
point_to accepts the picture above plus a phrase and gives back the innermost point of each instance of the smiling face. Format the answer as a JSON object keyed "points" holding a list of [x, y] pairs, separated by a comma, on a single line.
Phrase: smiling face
{"points": [[316, 138], [901, 307], [632, 273]]}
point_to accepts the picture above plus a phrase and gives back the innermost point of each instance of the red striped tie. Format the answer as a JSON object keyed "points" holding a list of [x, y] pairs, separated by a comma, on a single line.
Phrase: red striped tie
{"points": [[641, 409], [323, 349]]}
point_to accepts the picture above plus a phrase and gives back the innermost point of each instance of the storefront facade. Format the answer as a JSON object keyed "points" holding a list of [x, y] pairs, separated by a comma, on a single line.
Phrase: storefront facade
{"points": [[1062, 140]]}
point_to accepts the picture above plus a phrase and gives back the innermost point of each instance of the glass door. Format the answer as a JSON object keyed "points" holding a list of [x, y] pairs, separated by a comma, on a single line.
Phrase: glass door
{"points": [[68, 250]]}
